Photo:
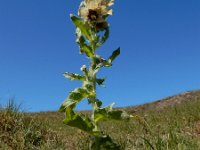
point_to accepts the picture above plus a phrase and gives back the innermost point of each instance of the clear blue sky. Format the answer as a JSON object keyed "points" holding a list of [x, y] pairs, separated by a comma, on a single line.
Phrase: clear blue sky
{"points": [[160, 51]]}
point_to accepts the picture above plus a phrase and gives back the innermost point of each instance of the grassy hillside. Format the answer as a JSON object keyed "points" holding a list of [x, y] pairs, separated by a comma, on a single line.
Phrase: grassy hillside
{"points": [[169, 124]]}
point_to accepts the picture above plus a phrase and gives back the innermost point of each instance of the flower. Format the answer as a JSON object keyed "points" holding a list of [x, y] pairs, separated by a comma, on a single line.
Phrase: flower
{"points": [[96, 11]]}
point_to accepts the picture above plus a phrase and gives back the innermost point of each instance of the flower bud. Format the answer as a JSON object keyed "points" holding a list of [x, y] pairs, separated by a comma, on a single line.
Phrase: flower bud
{"points": [[83, 68]]}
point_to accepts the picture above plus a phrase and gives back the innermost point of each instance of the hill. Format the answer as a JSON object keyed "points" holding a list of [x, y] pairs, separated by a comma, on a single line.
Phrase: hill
{"points": [[167, 102], [169, 124]]}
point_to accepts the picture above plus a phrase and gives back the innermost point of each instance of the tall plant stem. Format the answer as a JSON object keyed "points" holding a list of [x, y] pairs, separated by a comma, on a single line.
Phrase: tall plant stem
{"points": [[93, 77], [93, 63]]}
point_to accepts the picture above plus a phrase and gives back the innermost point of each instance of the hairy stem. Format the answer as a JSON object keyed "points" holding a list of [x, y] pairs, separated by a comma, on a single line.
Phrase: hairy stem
{"points": [[93, 44]]}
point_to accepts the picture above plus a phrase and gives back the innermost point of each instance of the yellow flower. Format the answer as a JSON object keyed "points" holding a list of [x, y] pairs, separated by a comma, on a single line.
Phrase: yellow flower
{"points": [[95, 11]]}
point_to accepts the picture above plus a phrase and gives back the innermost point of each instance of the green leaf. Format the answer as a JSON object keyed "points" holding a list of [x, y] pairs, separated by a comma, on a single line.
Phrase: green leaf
{"points": [[79, 23], [73, 76], [105, 36], [74, 120], [84, 48], [109, 113], [87, 50], [78, 94], [98, 62], [69, 113], [100, 114], [67, 104], [80, 122], [95, 102], [100, 81], [74, 97], [104, 142], [114, 55]]}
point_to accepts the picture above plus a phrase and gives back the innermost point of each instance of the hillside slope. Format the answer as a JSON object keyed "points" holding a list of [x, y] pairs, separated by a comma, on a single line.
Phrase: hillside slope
{"points": [[169, 124], [170, 101]]}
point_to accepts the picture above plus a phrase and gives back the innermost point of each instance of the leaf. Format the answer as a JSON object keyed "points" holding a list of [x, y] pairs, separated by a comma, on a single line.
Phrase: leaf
{"points": [[74, 120], [95, 102], [100, 114], [114, 55], [105, 36], [79, 23], [73, 76], [74, 97], [79, 94], [108, 113], [84, 48], [69, 113], [98, 62], [104, 142], [67, 104], [100, 81], [87, 50]]}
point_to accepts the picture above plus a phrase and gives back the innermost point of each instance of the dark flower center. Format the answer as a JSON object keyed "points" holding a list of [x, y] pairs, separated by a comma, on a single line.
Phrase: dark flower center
{"points": [[101, 26], [93, 15]]}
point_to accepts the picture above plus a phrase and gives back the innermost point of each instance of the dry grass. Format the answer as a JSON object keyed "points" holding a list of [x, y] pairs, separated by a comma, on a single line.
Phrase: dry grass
{"points": [[172, 124]]}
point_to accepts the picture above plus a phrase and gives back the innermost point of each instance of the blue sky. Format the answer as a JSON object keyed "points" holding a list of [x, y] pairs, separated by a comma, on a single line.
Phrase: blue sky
{"points": [[160, 49]]}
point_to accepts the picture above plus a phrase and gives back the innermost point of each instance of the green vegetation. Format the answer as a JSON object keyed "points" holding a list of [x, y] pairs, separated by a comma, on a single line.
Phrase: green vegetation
{"points": [[20, 131], [92, 31], [170, 127]]}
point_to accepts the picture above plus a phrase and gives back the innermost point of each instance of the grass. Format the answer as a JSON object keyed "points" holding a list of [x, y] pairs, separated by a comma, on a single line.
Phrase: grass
{"points": [[173, 127], [19, 131]]}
